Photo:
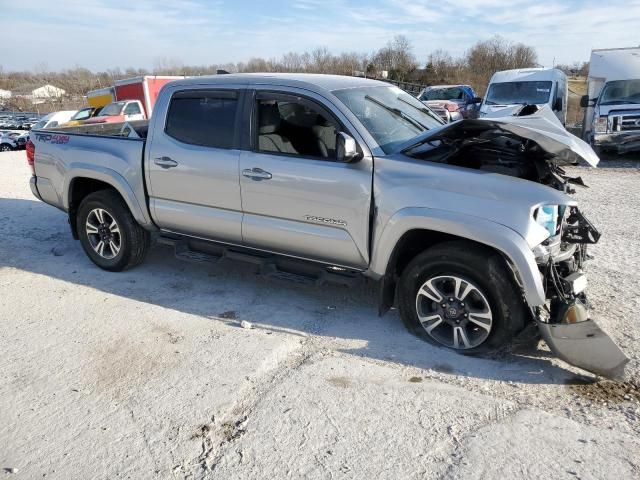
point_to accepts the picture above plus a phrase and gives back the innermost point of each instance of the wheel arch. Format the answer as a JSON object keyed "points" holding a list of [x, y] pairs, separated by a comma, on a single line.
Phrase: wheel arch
{"points": [[413, 230], [83, 183], [80, 186]]}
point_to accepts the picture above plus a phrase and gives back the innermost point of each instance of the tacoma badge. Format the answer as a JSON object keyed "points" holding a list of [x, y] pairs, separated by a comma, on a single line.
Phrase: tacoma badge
{"points": [[328, 221]]}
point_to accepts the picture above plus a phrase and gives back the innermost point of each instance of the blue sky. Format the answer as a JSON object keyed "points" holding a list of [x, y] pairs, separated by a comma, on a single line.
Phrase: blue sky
{"points": [[101, 34]]}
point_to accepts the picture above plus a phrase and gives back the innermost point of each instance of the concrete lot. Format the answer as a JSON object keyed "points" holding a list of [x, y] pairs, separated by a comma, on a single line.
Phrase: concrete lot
{"points": [[147, 373]]}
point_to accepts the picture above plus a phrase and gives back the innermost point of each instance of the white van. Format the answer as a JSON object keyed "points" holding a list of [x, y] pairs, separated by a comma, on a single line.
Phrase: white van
{"points": [[612, 115], [54, 119], [532, 86]]}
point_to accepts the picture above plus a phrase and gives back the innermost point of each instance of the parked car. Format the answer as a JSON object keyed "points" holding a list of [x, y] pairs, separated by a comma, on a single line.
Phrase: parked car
{"points": [[612, 115], [82, 115], [126, 110], [7, 143], [527, 86], [451, 102], [54, 119], [469, 225], [21, 140]]}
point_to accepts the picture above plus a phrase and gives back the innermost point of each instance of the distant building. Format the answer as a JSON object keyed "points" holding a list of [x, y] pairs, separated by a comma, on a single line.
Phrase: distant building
{"points": [[5, 93], [37, 95], [47, 91]]}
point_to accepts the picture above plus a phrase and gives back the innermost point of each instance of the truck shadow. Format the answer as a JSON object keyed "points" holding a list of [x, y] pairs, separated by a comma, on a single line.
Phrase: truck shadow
{"points": [[35, 238]]}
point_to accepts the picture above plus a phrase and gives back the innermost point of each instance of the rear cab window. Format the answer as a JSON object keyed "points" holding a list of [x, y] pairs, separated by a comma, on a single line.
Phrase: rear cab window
{"points": [[204, 118]]}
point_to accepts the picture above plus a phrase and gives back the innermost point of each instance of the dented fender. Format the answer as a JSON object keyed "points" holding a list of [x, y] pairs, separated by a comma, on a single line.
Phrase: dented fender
{"points": [[511, 244]]}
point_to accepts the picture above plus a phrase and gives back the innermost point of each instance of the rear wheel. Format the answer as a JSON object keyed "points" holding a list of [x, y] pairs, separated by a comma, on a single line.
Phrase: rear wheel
{"points": [[463, 297], [109, 234]]}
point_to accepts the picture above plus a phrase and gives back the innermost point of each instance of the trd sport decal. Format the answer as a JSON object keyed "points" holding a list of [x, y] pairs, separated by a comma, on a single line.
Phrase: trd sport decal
{"points": [[51, 138]]}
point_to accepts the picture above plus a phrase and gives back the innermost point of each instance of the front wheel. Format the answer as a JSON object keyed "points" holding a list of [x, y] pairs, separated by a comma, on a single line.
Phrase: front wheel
{"points": [[109, 234], [5, 148], [463, 297]]}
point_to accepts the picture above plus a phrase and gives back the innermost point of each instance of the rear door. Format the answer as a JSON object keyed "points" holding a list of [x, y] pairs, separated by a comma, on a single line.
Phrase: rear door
{"points": [[297, 199], [192, 163]]}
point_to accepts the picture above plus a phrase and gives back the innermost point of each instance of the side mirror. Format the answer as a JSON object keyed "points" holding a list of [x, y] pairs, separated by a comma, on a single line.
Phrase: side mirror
{"points": [[557, 105], [585, 101], [346, 148], [477, 99]]}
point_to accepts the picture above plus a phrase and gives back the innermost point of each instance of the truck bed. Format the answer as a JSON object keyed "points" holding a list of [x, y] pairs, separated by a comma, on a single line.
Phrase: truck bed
{"points": [[133, 129], [111, 153]]}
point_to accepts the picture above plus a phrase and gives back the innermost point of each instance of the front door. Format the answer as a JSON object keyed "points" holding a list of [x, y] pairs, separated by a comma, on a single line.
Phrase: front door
{"points": [[192, 165], [297, 199]]}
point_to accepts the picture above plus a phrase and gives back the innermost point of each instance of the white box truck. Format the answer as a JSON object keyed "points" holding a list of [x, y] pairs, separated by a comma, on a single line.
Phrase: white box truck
{"points": [[527, 86], [612, 103]]}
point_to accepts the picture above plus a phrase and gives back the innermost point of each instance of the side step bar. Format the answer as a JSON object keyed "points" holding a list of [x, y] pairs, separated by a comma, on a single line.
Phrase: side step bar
{"points": [[274, 266]]}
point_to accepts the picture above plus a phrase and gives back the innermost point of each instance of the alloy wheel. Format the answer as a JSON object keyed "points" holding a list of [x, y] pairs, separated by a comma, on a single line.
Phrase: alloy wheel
{"points": [[103, 233], [454, 312]]}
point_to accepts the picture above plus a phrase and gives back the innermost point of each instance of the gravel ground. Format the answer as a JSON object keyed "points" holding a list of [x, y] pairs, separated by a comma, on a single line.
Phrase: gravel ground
{"points": [[148, 373]]}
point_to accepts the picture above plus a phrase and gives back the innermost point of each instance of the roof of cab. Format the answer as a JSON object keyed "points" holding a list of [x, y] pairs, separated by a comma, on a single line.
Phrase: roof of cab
{"points": [[310, 81], [527, 74]]}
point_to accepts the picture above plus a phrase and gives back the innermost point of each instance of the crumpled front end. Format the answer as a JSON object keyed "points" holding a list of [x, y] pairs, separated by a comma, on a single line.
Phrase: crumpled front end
{"points": [[565, 321], [530, 143]]}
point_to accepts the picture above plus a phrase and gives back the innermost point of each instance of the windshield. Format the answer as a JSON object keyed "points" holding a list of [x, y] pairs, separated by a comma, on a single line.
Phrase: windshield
{"points": [[620, 91], [451, 93], [112, 109], [391, 115], [513, 93], [82, 114], [39, 125]]}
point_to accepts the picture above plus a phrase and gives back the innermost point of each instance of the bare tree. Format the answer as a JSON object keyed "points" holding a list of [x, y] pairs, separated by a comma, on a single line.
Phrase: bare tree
{"points": [[489, 56]]}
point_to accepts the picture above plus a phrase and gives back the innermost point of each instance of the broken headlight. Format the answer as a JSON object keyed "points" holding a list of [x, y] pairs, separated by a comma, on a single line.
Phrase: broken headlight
{"points": [[547, 217], [600, 125], [550, 218]]}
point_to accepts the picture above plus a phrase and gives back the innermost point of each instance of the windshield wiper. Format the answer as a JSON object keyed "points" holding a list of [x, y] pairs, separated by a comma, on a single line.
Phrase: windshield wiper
{"points": [[423, 110], [397, 112]]}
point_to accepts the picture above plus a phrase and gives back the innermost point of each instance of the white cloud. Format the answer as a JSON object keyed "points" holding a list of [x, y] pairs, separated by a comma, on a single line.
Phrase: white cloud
{"points": [[103, 34]]}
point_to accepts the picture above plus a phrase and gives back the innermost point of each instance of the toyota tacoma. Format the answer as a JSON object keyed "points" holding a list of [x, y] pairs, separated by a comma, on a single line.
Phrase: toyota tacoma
{"points": [[469, 228]]}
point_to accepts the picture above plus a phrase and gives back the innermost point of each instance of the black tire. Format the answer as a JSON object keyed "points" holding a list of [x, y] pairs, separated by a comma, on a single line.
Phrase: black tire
{"points": [[484, 268], [5, 147], [134, 240]]}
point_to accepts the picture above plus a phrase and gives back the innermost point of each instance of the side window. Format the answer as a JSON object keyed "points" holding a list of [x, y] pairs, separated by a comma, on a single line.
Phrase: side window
{"points": [[132, 109], [294, 126], [203, 118]]}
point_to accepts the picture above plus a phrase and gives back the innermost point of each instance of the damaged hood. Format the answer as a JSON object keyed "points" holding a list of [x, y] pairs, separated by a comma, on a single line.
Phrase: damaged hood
{"points": [[541, 127]]}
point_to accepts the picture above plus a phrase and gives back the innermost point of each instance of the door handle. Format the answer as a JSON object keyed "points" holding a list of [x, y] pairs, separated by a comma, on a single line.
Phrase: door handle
{"points": [[165, 162], [256, 174]]}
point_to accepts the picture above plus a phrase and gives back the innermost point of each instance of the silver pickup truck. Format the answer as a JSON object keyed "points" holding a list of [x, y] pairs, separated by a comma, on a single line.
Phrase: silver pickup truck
{"points": [[467, 227]]}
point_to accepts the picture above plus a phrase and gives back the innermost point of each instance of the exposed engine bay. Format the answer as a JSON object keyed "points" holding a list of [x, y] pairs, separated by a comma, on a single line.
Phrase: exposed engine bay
{"points": [[527, 142], [500, 152]]}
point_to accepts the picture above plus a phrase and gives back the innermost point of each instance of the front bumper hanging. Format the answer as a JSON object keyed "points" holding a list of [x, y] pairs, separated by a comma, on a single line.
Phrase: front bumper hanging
{"points": [[585, 345], [569, 331]]}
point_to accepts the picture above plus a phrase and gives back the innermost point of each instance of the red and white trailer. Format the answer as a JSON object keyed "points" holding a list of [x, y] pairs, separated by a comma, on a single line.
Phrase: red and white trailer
{"points": [[143, 88]]}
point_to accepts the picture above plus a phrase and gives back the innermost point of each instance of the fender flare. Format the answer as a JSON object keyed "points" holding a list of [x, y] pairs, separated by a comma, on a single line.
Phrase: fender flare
{"points": [[111, 178], [503, 239]]}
